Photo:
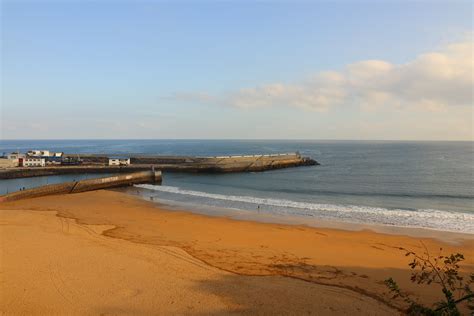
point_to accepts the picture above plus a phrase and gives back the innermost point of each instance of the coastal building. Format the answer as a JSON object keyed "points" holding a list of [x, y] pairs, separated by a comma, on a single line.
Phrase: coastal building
{"points": [[11, 160], [70, 161], [8, 163], [119, 161], [53, 160], [43, 153], [34, 162], [15, 155], [34, 153]]}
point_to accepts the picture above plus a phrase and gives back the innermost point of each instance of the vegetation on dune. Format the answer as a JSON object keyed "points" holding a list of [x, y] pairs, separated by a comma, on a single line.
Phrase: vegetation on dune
{"points": [[440, 270]]}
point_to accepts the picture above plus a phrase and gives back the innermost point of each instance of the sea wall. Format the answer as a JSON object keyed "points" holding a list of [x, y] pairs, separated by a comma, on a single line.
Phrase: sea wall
{"points": [[149, 176], [15, 173]]}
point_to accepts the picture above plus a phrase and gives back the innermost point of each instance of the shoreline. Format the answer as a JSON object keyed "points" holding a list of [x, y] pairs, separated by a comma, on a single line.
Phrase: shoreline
{"points": [[266, 217], [444, 223], [357, 261]]}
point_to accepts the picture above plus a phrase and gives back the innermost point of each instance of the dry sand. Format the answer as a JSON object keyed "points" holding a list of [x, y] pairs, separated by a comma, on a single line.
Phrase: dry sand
{"points": [[109, 253]]}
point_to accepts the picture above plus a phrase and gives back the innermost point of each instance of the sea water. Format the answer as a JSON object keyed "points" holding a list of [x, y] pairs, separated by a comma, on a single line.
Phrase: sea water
{"points": [[410, 184]]}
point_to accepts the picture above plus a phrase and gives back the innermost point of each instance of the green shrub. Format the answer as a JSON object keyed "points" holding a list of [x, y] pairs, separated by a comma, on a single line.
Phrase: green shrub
{"points": [[437, 270]]}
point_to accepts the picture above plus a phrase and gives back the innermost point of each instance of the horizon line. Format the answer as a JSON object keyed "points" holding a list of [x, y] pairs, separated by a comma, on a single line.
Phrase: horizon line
{"points": [[244, 139]]}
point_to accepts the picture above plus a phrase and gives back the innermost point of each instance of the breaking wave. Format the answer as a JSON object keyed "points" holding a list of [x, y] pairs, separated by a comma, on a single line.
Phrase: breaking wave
{"points": [[422, 218]]}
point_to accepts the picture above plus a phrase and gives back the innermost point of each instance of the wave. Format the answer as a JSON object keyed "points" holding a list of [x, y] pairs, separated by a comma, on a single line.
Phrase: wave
{"points": [[425, 218], [382, 194], [310, 191]]}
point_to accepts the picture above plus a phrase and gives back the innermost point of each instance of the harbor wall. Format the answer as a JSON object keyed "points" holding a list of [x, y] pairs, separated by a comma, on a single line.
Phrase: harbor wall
{"points": [[149, 176], [15, 173], [218, 164]]}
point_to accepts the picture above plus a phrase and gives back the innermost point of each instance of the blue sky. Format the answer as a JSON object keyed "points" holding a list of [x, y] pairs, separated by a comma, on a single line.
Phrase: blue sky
{"points": [[150, 69]]}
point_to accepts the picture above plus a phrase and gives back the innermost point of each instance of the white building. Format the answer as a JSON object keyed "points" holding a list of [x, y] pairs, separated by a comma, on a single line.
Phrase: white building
{"points": [[119, 161], [43, 153], [34, 162], [15, 155], [34, 153]]}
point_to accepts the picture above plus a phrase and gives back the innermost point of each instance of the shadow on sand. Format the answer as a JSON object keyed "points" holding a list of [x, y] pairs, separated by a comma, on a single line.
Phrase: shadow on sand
{"points": [[279, 295]]}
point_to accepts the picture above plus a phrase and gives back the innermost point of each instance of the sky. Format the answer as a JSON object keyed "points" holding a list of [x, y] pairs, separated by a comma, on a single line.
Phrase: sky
{"points": [[380, 70]]}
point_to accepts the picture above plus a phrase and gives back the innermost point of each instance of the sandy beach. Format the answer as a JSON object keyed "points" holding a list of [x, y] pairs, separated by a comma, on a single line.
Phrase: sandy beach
{"points": [[110, 253]]}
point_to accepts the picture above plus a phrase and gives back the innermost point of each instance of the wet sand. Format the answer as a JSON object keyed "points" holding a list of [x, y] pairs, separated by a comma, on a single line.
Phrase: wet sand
{"points": [[106, 252]]}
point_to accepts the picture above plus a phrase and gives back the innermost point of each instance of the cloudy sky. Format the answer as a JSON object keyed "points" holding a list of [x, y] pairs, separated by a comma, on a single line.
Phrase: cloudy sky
{"points": [[399, 70]]}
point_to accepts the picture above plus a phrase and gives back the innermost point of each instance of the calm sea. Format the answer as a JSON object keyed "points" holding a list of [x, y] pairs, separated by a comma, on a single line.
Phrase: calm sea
{"points": [[412, 184]]}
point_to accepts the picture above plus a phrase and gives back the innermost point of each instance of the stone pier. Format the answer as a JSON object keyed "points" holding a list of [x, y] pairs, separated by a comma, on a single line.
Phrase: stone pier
{"points": [[149, 176]]}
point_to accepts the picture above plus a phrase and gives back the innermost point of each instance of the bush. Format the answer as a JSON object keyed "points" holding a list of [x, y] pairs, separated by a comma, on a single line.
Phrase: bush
{"points": [[440, 270]]}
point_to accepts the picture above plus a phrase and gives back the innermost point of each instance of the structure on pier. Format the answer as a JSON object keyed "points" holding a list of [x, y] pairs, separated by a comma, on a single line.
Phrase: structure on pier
{"points": [[94, 163]]}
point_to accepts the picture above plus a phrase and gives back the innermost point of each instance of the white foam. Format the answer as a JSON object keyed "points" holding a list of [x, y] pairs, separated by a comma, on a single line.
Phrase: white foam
{"points": [[425, 218]]}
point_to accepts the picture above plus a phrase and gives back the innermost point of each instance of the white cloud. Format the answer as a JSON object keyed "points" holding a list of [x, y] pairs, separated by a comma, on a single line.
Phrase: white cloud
{"points": [[431, 82]]}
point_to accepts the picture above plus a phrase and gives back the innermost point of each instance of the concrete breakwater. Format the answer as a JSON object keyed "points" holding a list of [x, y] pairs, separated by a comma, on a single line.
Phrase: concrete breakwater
{"points": [[149, 176], [220, 164]]}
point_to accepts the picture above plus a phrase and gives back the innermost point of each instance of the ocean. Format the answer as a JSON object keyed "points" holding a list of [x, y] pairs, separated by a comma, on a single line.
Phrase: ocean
{"points": [[393, 183]]}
